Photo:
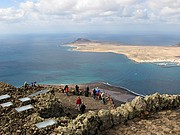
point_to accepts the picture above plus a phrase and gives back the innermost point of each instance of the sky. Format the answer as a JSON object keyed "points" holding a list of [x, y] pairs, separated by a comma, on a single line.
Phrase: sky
{"points": [[106, 16]]}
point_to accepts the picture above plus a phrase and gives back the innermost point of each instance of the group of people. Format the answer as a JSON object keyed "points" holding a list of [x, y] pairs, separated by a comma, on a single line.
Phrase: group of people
{"points": [[97, 94], [33, 84], [80, 106], [77, 91]]}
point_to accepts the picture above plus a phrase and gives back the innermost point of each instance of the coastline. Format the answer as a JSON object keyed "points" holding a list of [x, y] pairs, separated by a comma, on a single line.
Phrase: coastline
{"points": [[164, 56], [137, 94]]}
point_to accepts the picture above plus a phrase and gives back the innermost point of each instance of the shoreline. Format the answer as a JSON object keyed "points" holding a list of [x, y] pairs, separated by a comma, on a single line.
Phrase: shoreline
{"points": [[126, 89], [163, 56]]}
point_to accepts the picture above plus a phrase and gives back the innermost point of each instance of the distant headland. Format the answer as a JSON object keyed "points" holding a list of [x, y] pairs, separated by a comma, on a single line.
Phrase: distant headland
{"points": [[178, 45], [165, 56], [82, 40]]}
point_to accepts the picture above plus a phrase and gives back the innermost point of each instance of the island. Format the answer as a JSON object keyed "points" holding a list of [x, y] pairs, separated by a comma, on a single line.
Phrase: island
{"points": [[160, 55]]}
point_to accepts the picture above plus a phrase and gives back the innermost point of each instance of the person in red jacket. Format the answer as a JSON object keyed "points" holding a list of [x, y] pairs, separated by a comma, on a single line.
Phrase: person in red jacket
{"points": [[78, 103]]}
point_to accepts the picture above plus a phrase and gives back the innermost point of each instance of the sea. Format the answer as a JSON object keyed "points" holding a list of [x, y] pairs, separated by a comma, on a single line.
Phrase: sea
{"points": [[44, 58]]}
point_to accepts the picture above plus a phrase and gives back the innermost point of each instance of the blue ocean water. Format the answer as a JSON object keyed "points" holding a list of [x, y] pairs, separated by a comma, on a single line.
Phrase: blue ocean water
{"points": [[44, 59]]}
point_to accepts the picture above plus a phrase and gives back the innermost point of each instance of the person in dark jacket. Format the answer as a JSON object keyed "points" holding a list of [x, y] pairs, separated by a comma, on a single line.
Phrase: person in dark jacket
{"points": [[82, 108], [87, 92], [94, 93], [77, 89]]}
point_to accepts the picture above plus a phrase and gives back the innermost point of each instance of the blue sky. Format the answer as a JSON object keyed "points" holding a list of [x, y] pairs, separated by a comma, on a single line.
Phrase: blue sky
{"points": [[10, 3], [111, 16]]}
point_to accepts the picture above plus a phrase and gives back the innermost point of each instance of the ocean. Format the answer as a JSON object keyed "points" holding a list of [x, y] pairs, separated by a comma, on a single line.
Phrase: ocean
{"points": [[44, 58]]}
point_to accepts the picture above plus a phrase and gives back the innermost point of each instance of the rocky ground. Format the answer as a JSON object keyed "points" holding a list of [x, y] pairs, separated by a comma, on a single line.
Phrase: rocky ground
{"points": [[51, 105], [70, 101], [56, 105], [161, 123], [23, 123]]}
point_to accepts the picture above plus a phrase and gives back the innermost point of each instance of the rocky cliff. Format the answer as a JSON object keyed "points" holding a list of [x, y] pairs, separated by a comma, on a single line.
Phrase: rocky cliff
{"points": [[148, 115], [97, 122]]}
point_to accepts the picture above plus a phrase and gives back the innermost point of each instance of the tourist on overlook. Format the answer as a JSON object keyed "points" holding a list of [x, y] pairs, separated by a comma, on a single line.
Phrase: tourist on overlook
{"points": [[77, 89], [98, 93], [25, 84], [94, 93], [103, 97], [66, 90], [82, 108], [78, 103], [87, 92], [33, 84]]}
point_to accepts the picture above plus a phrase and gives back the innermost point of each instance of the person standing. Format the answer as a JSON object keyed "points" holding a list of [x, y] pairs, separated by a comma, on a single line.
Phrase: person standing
{"points": [[87, 92], [66, 90], [34, 84], [25, 85], [82, 108], [103, 97], [98, 93], [77, 89], [78, 103], [94, 93]]}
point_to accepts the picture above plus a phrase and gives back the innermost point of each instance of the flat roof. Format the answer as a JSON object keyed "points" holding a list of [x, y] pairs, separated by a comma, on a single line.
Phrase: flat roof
{"points": [[6, 104], [24, 99], [23, 108], [46, 123], [37, 93], [4, 96]]}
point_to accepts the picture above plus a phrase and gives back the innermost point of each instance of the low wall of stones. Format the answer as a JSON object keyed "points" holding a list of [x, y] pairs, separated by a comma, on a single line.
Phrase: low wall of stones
{"points": [[92, 123]]}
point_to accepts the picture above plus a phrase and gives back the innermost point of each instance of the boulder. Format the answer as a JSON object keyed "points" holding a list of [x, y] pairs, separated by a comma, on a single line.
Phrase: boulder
{"points": [[174, 101], [95, 123], [139, 105], [165, 101], [123, 112], [65, 131], [130, 109], [117, 117], [105, 118], [88, 123], [153, 102]]}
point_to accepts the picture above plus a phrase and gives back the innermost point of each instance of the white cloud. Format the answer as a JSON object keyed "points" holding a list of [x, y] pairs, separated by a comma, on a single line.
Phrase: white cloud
{"points": [[78, 12], [82, 10], [166, 9], [11, 15]]}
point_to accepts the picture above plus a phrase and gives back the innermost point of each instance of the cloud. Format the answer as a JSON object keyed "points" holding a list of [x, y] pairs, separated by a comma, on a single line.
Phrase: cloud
{"points": [[85, 10], [93, 12], [168, 10], [11, 15]]}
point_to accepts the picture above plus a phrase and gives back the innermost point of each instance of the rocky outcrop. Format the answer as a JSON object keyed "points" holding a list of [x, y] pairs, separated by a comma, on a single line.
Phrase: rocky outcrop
{"points": [[165, 122], [87, 123], [82, 40], [92, 123], [45, 106], [6, 88]]}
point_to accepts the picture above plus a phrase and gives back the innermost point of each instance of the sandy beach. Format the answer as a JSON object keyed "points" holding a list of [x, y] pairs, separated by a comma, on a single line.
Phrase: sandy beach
{"points": [[137, 53]]}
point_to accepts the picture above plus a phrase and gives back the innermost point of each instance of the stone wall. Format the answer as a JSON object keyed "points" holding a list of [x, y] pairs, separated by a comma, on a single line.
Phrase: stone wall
{"points": [[92, 123]]}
